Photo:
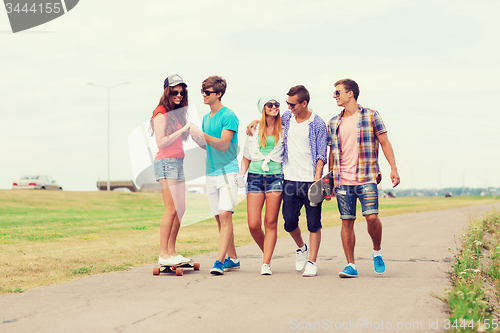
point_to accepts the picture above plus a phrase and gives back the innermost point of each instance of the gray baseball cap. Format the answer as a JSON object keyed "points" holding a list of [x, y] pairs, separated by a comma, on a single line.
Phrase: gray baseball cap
{"points": [[173, 80]]}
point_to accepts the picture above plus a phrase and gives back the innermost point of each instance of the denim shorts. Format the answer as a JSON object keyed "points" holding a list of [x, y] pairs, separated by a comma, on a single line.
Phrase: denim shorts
{"points": [[170, 168], [346, 200], [264, 183], [294, 197]]}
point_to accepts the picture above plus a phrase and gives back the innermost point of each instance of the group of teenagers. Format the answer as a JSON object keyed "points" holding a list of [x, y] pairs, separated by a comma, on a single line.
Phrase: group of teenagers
{"points": [[284, 154]]}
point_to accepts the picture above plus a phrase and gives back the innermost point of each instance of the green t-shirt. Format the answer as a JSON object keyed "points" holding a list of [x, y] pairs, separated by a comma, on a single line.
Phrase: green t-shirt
{"points": [[274, 167]]}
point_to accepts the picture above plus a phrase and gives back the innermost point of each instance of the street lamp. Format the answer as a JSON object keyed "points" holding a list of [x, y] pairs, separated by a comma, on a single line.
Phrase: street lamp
{"points": [[109, 88]]}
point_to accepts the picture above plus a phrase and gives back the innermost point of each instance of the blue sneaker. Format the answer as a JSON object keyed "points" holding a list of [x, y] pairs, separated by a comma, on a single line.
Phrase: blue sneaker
{"points": [[378, 264], [348, 272], [218, 268], [230, 265]]}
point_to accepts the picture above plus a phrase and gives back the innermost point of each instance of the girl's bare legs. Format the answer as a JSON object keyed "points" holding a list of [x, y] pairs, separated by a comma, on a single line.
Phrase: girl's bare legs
{"points": [[173, 194], [265, 240], [255, 202], [273, 203]]}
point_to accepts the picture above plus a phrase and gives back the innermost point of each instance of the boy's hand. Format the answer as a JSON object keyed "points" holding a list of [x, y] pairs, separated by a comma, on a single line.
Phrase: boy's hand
{"points": [[395, 178], [195, 131], [251, 127], [197, 135]]}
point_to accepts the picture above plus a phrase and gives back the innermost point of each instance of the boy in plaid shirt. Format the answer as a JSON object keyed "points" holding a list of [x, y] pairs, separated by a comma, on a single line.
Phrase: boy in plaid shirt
{"points": [[354, 136]]}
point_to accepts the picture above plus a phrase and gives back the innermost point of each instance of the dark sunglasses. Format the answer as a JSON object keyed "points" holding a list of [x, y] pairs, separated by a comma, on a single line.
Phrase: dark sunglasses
{"points": [[292, 105], [337, 93], [207, 92], [271, 104], [177, 92]]}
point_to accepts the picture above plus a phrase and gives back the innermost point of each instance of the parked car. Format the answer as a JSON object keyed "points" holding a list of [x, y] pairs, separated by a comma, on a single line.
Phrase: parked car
{"points": [[197, 190], [388, 194], [122, 189], [36, 182]]}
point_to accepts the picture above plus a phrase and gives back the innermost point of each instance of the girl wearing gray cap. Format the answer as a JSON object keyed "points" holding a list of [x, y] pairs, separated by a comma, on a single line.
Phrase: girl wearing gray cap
{"points": [[262, 158], [170, 127]]}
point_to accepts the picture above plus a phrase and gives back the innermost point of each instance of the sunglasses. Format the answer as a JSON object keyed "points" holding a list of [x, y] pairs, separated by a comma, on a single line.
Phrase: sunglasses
{"points": [[177, 92], [292, 105], [208, 92], [271, 104], [337, 93]]}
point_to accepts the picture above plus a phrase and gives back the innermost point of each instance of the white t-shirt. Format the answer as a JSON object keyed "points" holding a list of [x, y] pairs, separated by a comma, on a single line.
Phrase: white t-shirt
{"points": [[299, 164]]}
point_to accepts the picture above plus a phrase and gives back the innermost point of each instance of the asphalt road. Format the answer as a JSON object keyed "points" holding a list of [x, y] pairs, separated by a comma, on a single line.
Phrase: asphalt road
{"points": [[416, 252]]}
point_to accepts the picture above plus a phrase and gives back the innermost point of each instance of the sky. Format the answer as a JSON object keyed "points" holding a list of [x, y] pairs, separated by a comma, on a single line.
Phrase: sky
{"points": [[430, 68]]}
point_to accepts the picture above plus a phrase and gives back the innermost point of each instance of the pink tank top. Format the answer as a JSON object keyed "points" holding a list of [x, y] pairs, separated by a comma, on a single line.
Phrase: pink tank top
{"points": [[175, 150]]}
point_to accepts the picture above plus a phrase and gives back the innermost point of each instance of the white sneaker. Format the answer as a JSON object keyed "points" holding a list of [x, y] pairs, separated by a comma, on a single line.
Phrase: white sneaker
{"points": [[182, 259], [301, 260], [270, 263], [170, 261], [265, 269], [311, 270]]}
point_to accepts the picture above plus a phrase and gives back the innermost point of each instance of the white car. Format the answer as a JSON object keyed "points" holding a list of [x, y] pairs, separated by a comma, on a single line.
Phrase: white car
{"points": [[36, 182], [197, 190]]}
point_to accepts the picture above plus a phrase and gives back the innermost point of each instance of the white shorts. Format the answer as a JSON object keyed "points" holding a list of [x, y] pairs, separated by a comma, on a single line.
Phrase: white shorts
{"points": [[222, 191]]}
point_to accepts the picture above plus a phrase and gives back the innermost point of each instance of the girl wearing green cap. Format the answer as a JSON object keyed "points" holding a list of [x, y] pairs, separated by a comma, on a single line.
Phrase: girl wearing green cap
{"points": [[262, 158]]}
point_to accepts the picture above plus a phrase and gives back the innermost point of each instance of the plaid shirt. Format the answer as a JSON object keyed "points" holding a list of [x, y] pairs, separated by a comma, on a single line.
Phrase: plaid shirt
{"points": [[369, 126], [317, 138]]}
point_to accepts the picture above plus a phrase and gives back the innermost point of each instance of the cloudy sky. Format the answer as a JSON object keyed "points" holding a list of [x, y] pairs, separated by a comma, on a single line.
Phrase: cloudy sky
{"points": [[430, 68]]}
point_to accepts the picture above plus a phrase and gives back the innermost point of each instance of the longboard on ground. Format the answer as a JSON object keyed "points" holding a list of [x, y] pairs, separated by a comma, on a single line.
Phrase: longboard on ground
{"points": [[177, 269]]}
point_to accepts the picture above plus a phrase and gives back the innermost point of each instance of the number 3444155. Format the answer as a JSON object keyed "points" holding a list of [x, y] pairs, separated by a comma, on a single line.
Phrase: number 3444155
{"points": [[48, 8], [486, 323]]}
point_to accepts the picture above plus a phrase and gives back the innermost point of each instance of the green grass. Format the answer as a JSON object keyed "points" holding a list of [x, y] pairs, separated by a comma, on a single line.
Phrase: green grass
{"points": [[475, 278], [46, 216], [49, 237]]}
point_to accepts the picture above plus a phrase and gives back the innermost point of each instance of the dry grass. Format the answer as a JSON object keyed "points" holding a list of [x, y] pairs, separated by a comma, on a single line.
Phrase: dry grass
{"points": [[53, 237]]}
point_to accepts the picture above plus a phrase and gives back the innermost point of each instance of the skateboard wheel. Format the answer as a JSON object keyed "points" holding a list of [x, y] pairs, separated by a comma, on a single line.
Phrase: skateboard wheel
{"points": [[179, 271], [174, 268], [196, 266], [156, 271]]}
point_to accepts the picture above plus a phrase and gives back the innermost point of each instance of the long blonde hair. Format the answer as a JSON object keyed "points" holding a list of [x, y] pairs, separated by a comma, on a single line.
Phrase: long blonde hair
{"points": [[278, 131]]}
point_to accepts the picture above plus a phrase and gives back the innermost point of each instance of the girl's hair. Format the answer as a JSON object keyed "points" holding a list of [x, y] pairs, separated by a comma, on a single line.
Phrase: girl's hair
{"points": [[173, 117], [278, 131]]}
